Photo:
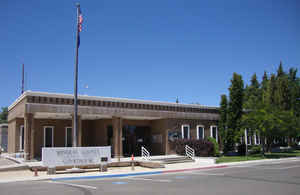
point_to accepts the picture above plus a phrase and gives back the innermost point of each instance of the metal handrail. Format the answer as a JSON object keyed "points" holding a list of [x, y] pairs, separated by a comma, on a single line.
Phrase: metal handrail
{"points": [[145, 154], [190, 152]]}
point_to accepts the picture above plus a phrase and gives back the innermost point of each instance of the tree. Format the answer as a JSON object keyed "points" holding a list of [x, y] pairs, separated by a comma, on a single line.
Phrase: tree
{"points": [[265, 122], [282, 93], [294, 85], [223, 120], [3, 115], [289, 125], [235, 111], [264, 87], [280, 71], [271, 108], [271, 89], [276, 118], [252, 94]]}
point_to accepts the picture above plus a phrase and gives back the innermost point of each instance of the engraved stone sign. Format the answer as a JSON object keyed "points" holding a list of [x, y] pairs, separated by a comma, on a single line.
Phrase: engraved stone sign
{"points": [[69, 156]]}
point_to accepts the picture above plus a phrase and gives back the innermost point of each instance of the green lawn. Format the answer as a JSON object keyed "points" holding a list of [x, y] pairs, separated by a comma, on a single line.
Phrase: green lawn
{"points": [[225, 159], [293, 153]]}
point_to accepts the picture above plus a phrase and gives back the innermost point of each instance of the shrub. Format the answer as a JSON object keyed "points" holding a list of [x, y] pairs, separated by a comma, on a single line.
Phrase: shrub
{"points": [[216, 145], [255, 149], [201, 147], [251, 149], [242, 149]]}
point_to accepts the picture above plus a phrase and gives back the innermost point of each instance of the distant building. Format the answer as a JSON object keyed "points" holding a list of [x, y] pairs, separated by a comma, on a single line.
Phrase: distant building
{"points": [[39, 119], [3, 136]]}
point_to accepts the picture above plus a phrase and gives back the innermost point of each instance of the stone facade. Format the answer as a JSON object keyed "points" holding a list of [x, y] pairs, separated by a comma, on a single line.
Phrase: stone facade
{"points": [[101, 122]]}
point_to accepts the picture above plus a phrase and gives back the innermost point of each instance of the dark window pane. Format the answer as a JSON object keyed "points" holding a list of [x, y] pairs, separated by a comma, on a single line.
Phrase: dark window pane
{"points": [[200, 132], [69, 137], [48, 139], [22, 138], [214, 131], [185, 132]]}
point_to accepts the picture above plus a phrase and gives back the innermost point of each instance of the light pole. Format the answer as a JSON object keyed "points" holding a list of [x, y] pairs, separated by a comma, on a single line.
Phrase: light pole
{"points": [[76, 79]]}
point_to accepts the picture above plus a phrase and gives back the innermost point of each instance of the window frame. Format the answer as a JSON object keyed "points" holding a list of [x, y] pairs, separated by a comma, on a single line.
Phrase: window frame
{"points": [[211, 132], [182, 131], [21, 139], [197, 131], [256, 138], [52, 144]]}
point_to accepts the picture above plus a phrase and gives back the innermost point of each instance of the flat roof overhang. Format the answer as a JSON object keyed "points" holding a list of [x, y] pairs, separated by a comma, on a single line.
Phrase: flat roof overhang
{"points": [[66, 116], [124, 100], [92, 113]]}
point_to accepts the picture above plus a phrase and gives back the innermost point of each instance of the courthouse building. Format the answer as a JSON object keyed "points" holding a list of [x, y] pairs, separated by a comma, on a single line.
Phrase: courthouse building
{"points": [[39, 119]]}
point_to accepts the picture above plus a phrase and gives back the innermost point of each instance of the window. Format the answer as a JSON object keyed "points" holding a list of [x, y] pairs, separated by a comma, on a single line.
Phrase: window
{"points": [[256, 139], [200, 132], [48, 136], [249, 137], [185, 131], [68, 137], [214, 132], [21, 139]]}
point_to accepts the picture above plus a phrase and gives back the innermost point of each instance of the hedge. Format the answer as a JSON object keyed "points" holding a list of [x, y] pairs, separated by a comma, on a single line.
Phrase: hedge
{"points": [[201, 147], [216, 145]]}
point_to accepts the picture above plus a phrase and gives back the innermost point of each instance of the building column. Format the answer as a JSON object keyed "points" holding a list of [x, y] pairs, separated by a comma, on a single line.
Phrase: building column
{"points": [[13, 138], [120, 137], [117, 137], [27, 135], [79, 130], [32, 139]]}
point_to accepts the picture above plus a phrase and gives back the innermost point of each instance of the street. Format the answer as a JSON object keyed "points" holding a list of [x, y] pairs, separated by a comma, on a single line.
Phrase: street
{"points": [[255, 178]]}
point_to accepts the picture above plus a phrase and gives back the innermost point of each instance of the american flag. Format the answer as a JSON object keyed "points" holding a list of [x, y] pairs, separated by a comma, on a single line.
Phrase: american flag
{"points": [[80, 20]]}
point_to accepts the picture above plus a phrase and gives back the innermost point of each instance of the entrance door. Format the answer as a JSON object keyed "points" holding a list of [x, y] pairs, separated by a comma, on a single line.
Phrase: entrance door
{"points": [[134, 137]]}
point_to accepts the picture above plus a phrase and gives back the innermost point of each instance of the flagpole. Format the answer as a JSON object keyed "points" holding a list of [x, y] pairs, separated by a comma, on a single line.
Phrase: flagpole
{"points": [[76, 81], [22, 79]]}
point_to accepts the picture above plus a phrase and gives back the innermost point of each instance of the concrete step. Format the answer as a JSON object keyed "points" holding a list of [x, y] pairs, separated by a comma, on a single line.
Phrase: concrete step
{"points": [[178, 161], [173, 160]]}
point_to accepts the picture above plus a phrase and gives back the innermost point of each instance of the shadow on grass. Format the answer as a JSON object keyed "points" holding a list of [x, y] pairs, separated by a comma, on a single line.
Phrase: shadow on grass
{"points": [[274, 155], [281, 155]]}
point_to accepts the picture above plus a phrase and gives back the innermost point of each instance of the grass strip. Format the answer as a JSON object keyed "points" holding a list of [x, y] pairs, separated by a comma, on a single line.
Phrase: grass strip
{"points": [[273, 155]]}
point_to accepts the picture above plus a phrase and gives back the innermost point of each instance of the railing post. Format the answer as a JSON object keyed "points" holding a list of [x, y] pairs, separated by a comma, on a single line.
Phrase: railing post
{"points": [[190, 152], [145, 154]]}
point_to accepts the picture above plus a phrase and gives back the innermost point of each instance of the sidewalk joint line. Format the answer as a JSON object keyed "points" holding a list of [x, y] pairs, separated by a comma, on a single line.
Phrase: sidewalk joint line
{"points": [[148, 179], [74, 185]]}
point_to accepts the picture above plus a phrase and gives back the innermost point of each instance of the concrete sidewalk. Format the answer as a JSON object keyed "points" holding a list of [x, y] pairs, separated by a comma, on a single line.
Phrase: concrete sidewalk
{"points": [[27, 175], [199, 164]]}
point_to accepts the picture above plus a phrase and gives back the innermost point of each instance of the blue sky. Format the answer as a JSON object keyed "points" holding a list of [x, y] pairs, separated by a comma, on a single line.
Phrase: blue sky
{"points": [[155, 50]]}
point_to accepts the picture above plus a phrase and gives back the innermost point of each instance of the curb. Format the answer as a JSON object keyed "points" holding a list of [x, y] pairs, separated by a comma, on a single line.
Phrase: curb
{"points": [[258, 161], [24, 180], [106, 176], [134, 174], [195, 169]]}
